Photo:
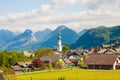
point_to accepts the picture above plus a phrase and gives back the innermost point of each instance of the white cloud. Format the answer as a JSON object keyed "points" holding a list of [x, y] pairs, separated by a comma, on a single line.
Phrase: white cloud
{"points": [[99, 12], [45, 7], [63, 3]]}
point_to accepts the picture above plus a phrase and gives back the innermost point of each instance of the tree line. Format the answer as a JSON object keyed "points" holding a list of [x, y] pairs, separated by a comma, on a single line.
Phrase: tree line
{"points": [[8, 59]]}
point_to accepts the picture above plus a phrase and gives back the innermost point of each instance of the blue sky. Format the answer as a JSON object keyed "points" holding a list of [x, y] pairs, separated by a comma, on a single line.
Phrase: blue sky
{"points": [[16, 6], [18, 15]]}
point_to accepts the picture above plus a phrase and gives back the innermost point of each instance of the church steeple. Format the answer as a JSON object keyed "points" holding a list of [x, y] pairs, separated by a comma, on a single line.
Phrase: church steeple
{"points": [[59, 48], [59, 36]]}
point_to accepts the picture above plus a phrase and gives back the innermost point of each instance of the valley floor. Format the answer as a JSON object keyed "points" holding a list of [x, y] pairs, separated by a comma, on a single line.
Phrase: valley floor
{"points": [[77, 74]]}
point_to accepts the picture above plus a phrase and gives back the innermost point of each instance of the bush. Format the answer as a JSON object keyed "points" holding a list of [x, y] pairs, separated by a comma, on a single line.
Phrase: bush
{"points": [[59, 64], [36, 69], [82, 64], [50, 66], [61, 78], [7, 71], [37, 63]]}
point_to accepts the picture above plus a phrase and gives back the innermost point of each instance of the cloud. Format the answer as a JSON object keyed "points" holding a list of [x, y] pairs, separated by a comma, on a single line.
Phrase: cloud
{"points": [[63, 3], [98, 12]]}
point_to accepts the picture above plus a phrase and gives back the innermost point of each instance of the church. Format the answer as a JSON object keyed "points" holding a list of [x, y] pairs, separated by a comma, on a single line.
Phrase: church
{"points": [[59, 47]]}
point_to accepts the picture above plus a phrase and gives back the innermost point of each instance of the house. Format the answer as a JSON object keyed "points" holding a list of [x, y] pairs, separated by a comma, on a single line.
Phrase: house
{"points": [[50, 59], [67, 62], [110, 52], [93, 50], [25, 66], [74, 56], [58, 52], [106, 46], [17, 69], [102, 61], [54, 58], [117, 46], [107, 51], [117, 50], [28, 54], [102, 51]]}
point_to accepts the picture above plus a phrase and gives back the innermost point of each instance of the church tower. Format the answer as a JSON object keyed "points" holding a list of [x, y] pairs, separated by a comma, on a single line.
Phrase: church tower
{"points": [[59, 47]]}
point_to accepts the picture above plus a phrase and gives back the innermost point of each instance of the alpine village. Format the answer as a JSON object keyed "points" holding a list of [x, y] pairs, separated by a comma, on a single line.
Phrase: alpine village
{"points": [[61, 49]]}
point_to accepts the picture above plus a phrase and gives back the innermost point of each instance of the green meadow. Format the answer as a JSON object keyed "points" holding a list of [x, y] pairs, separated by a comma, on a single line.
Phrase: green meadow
{"points": [[76, 74]]}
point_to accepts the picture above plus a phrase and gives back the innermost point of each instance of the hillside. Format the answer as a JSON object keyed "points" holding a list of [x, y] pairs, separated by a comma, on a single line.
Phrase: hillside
{"points": [[82, 32], [5, 36], [68, 37], [41, 35], [98, 36], [21, 41]]}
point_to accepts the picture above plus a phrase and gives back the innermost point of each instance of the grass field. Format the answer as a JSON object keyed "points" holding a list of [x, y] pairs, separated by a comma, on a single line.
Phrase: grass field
{"points": [[77, 74]]}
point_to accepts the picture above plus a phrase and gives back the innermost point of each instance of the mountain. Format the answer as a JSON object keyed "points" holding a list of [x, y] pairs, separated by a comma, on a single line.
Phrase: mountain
{"points": [[68, 37], [98, 36], [5, 36], [101, 27], [41, 35], [82, 32], [22, 41]]}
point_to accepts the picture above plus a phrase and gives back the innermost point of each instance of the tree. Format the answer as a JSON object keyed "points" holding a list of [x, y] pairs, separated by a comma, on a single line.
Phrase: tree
{"points": [[3, 59], [84, 55], [12, 57], [81, 62], [8, 59], [66, 48], [59, 64], [37, 63], [50, 66], [43, 52]]}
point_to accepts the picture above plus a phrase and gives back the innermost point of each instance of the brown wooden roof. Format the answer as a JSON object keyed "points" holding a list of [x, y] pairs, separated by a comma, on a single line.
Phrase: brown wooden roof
{"points": [[101, 59], [52, 58], [107, 51], [74, 52], [24, 64], [67, 61], [102, 51], [16, 68]]}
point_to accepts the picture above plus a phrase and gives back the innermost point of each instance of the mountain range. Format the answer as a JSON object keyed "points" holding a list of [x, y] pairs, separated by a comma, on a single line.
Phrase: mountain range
{"points": [[21, 41], [68, 37], [87, 38], [29, 40]]}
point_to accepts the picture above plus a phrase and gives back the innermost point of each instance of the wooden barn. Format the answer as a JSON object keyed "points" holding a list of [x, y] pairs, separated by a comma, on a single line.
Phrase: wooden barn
{"points": [[102, 61]]}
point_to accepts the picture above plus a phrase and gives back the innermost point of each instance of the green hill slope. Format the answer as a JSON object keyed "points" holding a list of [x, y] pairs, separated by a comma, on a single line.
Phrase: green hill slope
{"points": [[98, 36]]}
